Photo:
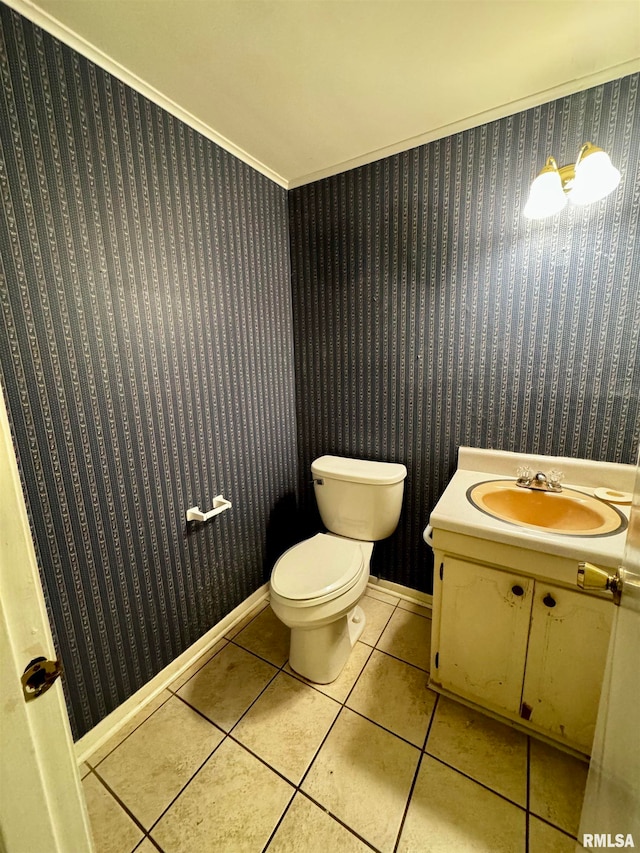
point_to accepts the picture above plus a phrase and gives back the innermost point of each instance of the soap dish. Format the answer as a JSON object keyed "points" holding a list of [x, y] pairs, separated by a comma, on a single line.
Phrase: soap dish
{"points": [[613, 496]]}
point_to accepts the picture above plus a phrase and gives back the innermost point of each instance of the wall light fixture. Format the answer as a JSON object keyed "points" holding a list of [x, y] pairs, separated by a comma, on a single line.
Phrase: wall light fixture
{"points": [[590, 178]]}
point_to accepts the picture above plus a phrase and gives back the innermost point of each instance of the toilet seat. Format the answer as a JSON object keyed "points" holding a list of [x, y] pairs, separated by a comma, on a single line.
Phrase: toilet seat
{"points": [[317, 570]]}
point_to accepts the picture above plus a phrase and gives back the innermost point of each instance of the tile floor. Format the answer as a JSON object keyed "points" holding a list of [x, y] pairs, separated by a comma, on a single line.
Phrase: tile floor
{"points": [[240, 755]]}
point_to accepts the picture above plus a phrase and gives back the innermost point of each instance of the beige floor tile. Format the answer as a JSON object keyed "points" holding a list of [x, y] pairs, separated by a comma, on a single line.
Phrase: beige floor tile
{"points": [[124, 731], [158, 759], [339, 689], [490, 752], [232, 632], [308, 829], [112, 829], [266, 636], [545, 839], [395, 695], [287, 724], [408, 637], [449, 812], [84, 769], [225, 687], [377, 614], [382, 595], [177, 683], [231, 806], [363, 775], [556, 786]]}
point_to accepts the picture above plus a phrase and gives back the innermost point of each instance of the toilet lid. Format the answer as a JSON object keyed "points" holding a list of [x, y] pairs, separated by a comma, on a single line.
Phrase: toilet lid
{"points": [[317, 567]]}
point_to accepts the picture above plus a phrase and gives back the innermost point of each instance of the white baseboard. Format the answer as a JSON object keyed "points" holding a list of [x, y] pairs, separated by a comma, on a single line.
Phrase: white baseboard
{"points": [[109, 726], [404, 592]]}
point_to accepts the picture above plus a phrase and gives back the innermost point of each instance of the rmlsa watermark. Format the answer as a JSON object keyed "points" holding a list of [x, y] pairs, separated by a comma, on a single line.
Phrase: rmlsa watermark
{"points": [[606, 840]]}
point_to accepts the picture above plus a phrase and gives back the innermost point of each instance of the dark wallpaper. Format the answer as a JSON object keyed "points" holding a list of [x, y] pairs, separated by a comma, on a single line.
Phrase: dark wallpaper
{"points": [[146, 351], [429, 313], [152, 357]]}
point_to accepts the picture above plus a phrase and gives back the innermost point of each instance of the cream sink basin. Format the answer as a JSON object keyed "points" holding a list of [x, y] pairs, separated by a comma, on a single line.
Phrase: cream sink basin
{"points": [[568, 512]]}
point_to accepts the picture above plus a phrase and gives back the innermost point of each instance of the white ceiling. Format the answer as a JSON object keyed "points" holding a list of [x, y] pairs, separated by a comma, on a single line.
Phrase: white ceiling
{"points": [[302, 89]]}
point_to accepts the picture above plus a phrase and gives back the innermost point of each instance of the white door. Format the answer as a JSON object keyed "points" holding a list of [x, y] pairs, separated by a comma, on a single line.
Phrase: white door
{"points": [[42, 807], [612, 798]]}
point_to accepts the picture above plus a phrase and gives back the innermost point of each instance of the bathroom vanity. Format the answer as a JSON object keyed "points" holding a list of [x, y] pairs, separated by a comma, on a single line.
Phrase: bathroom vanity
{"points": [[512, 632]]}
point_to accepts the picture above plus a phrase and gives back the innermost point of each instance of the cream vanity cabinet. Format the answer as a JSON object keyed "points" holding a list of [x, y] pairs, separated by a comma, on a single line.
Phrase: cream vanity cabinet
{"points": [[517, 645]]}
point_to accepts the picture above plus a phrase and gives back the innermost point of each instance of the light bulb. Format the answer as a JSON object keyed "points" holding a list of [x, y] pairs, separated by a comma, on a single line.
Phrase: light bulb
{"points": [[546, 196], [596, 177]]}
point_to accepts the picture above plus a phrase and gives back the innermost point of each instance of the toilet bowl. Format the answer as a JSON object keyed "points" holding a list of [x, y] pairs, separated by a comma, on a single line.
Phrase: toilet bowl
{"points": [[315, 590], [317, 584]]}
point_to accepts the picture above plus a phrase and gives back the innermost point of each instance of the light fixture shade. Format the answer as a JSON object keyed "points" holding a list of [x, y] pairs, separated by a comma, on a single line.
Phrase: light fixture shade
{"points": [[546, 196], [596, 176]]}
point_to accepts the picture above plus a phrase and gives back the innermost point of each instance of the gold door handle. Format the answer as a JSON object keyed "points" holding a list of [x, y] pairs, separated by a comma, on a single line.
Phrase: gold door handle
{"points": [[593, 577]]}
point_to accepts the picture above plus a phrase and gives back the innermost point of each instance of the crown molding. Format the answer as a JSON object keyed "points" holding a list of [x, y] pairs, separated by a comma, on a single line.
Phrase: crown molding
{"points": [[510, 108], [66, 35]]}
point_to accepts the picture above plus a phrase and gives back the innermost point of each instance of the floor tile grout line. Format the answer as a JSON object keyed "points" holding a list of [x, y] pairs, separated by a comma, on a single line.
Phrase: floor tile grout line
{"points": [[405, 811], [338, 820], [430, 726], [477, 782], [298, 787], [279, 821], [238, 645], [186, 785], [201, 713], [122, 804], [151, 841], [402, 660], [244, 713], [262, 692], [554, 826], [415, 775], [262, 760], [384, 728], [322, 743]]}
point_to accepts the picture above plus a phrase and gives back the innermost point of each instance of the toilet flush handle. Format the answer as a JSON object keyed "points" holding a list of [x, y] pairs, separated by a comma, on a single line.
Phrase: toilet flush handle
{"points": [[318, 481]]}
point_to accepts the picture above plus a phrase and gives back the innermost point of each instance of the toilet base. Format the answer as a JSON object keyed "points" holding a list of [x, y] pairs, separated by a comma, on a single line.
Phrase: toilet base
{"points": [[319, 654]]}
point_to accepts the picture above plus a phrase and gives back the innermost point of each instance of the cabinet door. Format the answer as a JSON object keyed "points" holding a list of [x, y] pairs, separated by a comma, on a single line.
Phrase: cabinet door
{"points": [[484, 626], [565, 663]]}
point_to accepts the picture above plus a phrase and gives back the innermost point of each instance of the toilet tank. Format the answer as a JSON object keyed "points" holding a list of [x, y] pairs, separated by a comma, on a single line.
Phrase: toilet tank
{"points": [[357, 498]]}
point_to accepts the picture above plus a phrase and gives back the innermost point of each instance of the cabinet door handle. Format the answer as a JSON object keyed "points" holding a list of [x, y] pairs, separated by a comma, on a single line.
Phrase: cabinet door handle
{"points": [[549, 600], [517, 590]]}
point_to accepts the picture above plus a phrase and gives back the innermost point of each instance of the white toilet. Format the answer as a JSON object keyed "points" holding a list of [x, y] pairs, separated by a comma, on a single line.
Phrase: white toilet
{"points": [[316, 585]]}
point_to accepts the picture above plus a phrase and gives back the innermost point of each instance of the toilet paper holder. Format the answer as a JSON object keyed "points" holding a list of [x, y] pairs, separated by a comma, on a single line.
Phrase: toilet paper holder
{"points": [[220, 504]]}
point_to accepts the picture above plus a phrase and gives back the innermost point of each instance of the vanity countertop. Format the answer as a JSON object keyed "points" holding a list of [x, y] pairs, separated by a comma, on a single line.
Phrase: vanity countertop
{"points": [[455, 513]]}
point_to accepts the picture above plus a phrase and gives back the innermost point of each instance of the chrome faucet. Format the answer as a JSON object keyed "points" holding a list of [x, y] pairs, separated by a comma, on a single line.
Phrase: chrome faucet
{"points": [[540, 481]]}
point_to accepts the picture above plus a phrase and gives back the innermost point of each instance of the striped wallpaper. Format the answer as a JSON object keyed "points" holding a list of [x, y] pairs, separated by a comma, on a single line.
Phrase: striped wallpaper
{"points": [[429, 313], [146, 355], [155, 342]]}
